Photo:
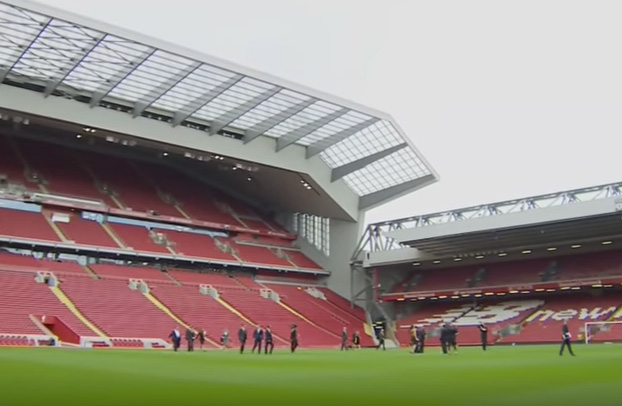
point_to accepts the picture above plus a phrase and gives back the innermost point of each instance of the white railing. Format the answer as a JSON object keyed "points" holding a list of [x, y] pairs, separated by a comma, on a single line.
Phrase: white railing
{"points": [[32, 339], [90, 341]]}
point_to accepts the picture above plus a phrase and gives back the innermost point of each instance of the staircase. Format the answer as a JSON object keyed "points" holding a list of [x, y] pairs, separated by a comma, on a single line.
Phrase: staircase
{"points": [[67, 302]]}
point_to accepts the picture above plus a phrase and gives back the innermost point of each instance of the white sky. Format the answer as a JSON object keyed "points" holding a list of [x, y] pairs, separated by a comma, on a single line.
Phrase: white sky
{"points": [[505, 98]]}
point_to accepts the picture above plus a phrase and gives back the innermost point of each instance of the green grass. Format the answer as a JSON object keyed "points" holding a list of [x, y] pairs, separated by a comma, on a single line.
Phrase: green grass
{"points": [[526, 376]]}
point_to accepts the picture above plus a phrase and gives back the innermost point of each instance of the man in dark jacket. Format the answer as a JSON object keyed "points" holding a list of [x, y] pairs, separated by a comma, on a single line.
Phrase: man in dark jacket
{"points": [[242, 336], [293, 338], [190, 336], [445, 332], [381, 337], [420, 339], [344, 339], [483, 330], [566, 337], [258, 337], [269, 340]]}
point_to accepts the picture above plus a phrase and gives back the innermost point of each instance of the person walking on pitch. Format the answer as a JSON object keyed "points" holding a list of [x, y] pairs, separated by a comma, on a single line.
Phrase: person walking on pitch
{"points": [[566, 337], [381, 338], [344, 339], [269, 340], [483, 330], [242, 336], [258, 337]]}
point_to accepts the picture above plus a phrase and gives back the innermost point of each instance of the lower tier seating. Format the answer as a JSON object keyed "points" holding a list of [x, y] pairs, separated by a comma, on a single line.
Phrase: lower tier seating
{"points": [[116, 309], [525, 320], [22, 296]]}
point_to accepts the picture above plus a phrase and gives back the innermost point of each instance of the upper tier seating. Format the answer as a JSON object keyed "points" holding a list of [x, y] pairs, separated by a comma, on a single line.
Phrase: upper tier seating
{"points": [[86, 232], [195, 199], [137, 237], [134, 192], [591, 266], [22, 296], [301, 260], [61, 171], [514, 273], [116, 309], [26, 224], [10, 164], [258, 255], [444, 279], [129, 272], [196, 245], [203, 278]]}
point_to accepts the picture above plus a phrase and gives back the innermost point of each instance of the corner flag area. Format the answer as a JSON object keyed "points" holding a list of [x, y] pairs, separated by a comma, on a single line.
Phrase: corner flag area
{"points": [[512, 375]]}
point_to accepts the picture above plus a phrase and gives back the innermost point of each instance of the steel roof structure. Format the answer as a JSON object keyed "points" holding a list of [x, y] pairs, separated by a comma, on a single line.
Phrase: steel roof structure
{"points": [[382, 236], [60, 54]]}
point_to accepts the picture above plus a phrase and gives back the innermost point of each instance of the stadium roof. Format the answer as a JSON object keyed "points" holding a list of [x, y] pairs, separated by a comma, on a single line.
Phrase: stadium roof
{"points": [[546, 222], [58, 53]]}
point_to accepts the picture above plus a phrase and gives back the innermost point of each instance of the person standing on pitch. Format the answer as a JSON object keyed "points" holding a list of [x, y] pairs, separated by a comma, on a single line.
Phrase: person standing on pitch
{"points": [[269, 340], [224, 340], [175, 336], [356, 340], [381, 338], [344, 339], [420, 337], [483, 330], [293, 337], [201, 338], [242, 336], [190, 336], [258, 337], [444, 337], [413, 337], [566, 339]]}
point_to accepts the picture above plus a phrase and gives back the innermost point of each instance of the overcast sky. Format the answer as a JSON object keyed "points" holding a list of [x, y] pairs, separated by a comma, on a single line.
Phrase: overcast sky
{"points": [[505, 98]]}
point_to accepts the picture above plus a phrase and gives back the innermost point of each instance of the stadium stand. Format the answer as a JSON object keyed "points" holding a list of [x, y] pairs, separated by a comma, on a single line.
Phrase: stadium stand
{"points": [[116, 309], [12, 224]]}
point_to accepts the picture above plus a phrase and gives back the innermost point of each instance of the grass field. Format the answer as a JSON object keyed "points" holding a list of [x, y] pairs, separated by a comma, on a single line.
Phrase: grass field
{"points": [[526, 376]]}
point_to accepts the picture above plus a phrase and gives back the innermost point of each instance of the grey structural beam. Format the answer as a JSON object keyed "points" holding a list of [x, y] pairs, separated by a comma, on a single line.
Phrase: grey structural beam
{"points": [[198, 103], [229, 117], [375, 198], [73, 64], [321, 145], [164, 87], [119, 76], [271, 122], [299, 133], [343, 170], [4, 73]]}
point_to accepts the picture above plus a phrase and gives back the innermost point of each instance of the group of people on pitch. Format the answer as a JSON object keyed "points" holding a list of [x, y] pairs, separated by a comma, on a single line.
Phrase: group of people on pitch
{"points": [[192, 334]]}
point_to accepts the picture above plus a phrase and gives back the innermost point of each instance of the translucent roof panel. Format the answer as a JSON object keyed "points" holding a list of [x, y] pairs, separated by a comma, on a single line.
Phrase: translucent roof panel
{"points": [[395, 169], [375, 138], [105, 64]]}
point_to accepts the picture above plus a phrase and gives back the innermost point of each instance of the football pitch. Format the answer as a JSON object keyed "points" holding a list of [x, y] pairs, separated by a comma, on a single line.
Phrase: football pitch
{"points": [[521, 375]]}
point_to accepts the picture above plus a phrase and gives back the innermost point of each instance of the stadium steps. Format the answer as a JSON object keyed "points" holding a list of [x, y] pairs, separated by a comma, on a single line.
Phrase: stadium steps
{"points": [[47, 215], [173, 316], [71, 306], [91, 272], [172, 278], [113, 235], [40, 325], [295, 313]]}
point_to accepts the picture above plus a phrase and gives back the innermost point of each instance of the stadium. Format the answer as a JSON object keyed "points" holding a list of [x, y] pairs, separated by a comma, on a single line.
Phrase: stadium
{"points": [[146, 188]]}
